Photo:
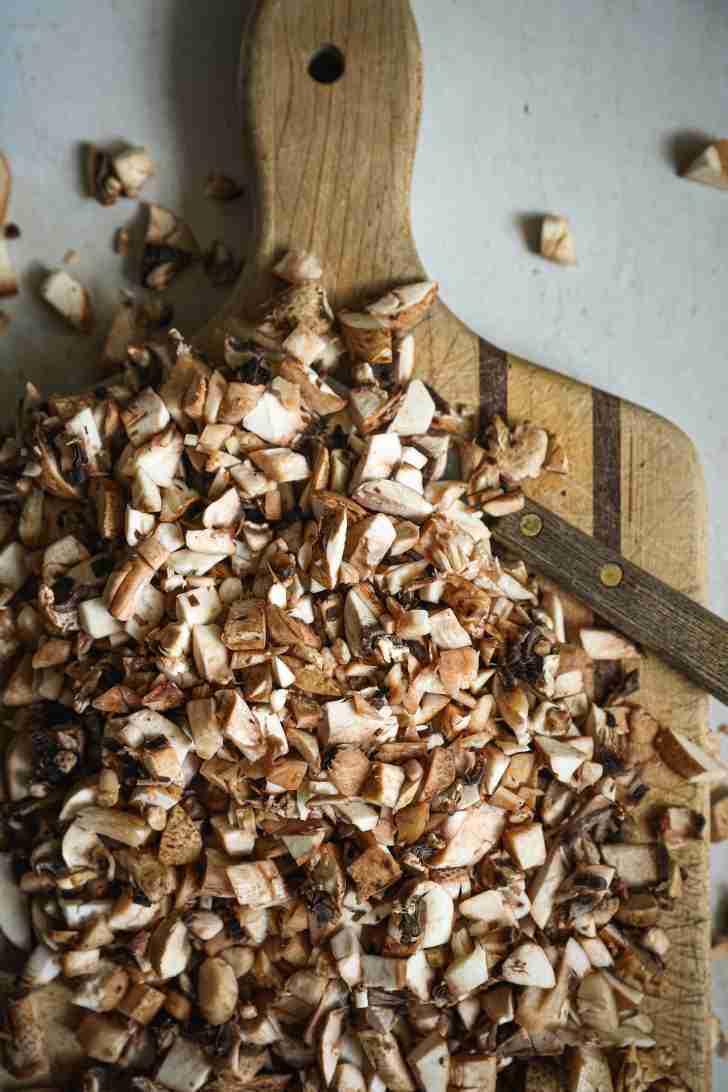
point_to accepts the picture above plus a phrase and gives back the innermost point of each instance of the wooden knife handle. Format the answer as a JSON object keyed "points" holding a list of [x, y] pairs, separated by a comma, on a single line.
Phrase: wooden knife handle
{"points": [[688, 636]]}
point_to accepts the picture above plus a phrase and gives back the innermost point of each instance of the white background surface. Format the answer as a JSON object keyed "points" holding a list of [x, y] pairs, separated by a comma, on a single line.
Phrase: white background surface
{"points": [[584, 108]]}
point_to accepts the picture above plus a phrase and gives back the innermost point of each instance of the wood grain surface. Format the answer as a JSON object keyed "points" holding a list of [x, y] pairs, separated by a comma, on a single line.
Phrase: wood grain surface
{"points": [[332, 167]]}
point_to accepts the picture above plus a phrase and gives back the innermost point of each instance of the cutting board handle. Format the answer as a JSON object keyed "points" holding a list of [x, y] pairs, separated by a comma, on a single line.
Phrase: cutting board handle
{"points": [[331, 162]]}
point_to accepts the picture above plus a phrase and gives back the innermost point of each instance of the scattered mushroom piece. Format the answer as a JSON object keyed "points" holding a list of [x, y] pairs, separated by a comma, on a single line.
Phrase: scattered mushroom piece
{"points": [[181, 842], [169, 947], [8, 277], [430, 1062], [415, 412], [217, 990], [526, 845], [185, 1068], [719, 819], [603, 644], [169, 248], [367, 337], [557, 243], [103, 1036], [5, 186], [257, 885], [109, 176], [636, 865], [528, 965], [687, 759], [711, 166], [133, 167], [70, 299], [14, 908], [298, 266], [467, 973], [385, 1057], [402, 308]]}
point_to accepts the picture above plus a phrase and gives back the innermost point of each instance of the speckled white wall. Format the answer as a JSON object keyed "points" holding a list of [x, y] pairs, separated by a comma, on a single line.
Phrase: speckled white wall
{"points": [[561, 105]]}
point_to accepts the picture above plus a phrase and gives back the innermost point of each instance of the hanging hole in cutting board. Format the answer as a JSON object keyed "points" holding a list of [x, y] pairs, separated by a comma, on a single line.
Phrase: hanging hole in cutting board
{"points": [[327, 64]]}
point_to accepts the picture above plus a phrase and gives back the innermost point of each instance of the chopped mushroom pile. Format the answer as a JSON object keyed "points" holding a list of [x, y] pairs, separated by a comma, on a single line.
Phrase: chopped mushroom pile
{"points": [[306, 786]]}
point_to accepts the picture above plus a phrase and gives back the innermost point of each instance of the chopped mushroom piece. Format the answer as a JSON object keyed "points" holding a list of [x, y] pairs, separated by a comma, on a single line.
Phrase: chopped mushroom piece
{"points": [[719, 819], [373, 871], [14, 909], [430, 1062], [185, 1068], [711, 166], [109, 176], [602, 644], [404, 307], [415, 412], [688, 759], [528, 965], [636, 865], [70, 299], [526, 845], [169, 947], [298, 266], [393, 499], [169, 247], [217, 991], [8, 277], [103, 1036], [385, 1057], [257, 885], [467, 973], [367, 337], [5, 186], [557, 243], [133, 167]]}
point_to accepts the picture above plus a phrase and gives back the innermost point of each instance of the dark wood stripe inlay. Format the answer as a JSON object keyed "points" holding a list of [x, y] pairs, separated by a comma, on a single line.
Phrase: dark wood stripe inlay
{"points": [[606, 487], [493, 383], [607, 469]]}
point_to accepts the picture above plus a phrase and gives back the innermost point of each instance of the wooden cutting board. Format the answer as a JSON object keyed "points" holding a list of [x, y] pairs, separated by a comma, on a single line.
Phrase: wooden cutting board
{"points": [[332, 165], [332, 171]]}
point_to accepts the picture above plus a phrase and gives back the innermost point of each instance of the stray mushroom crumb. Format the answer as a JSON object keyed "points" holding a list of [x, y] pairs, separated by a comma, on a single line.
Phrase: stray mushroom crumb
{"points": [[69, 299], [169, 248], [711, 166], [123, 173], [304, 782], [557, 242], [8, 278]]}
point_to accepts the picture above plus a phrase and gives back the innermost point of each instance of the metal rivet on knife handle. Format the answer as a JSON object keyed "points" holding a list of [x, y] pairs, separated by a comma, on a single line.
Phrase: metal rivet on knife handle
{"points": [[611, 575], [531, 525]]}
